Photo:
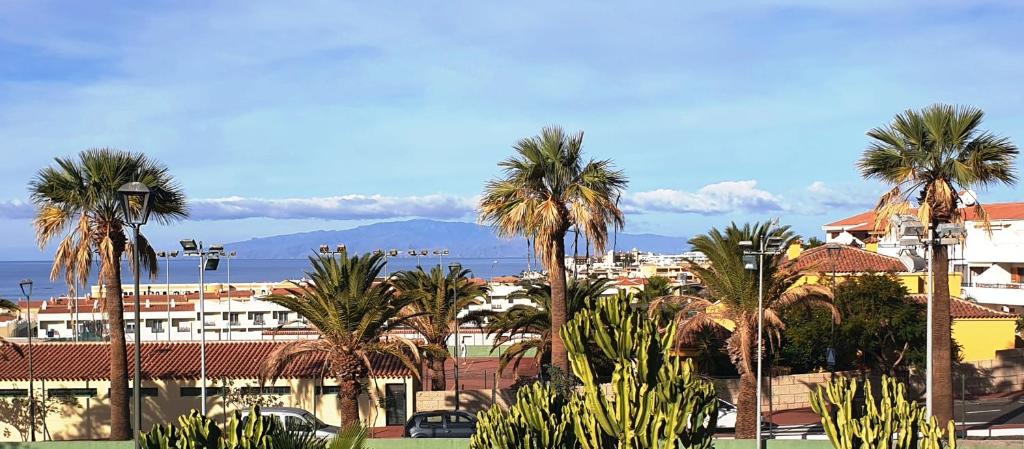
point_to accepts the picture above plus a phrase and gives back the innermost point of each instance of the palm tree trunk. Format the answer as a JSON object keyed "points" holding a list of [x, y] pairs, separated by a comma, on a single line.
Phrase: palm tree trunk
{"points": [[942, 340], [437, 374], [120, 422], [348, 401], [746, 406], [556, 277]]}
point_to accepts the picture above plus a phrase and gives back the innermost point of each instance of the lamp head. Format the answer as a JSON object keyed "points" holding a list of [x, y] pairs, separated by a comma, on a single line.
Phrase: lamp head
{"points": [[456, 267], [412, 252], [217, 248], [233, 254], [746, 244], [134, 199], [423, 252], [161, 254], [189, 246], [324, 249], [393, 253], [173, 253], [26, 287], [212, 263], [750, 262], [342, 248]]}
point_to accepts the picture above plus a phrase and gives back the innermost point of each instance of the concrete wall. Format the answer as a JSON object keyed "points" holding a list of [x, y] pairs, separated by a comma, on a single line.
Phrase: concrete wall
{"points": [[471, 401], [789, 392], [89, 417], [1005, 373], [982, 339]]}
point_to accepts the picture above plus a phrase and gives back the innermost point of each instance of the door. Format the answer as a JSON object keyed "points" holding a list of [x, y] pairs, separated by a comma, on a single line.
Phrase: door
{"points": [[394, 398], [460, 425]]}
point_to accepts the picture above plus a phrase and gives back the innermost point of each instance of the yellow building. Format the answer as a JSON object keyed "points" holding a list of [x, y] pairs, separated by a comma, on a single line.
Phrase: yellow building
{"points": [[79, 372], [979, 331]]}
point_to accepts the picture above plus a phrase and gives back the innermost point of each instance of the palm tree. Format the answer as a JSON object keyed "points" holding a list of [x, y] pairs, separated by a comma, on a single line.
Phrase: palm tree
{"points": [[437, 298], [734, 291], [531, 324], [656, 286], [77, 202], [928, 157], [354, 314], [547, 189]]}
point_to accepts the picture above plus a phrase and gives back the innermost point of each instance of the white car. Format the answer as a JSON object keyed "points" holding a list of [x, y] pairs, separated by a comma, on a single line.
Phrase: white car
{"points": [[726, 415], [298, 420]]}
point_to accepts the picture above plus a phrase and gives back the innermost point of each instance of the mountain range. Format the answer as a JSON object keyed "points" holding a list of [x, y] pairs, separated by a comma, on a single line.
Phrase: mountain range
{"points": [[461, 239]]}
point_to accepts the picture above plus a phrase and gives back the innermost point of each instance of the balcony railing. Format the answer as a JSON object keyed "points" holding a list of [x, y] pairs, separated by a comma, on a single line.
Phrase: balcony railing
{"points": [[259, 322], [184, 328], [1012, 285]]}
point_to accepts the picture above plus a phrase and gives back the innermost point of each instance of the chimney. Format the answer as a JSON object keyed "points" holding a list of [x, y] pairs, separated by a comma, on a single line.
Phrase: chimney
{"points": [[871, 244], [794, 250], [147, 303]]}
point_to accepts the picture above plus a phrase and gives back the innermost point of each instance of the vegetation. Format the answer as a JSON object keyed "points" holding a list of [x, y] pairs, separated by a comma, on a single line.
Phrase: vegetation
{"points": [[928, 157], [883, 330], [735, 289], [548, 188], [7, 307], [853, 422], [436, 299], [657, 286], [352, 313], [77, 203], [655, 400], [530, 326]]}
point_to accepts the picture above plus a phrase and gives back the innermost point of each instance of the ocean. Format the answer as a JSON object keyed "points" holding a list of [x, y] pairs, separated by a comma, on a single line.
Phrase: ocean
{"points": [[184, 270]]}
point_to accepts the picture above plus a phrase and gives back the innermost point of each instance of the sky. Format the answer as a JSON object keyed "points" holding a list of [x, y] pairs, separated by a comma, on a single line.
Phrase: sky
{"points": [[281, 117]]}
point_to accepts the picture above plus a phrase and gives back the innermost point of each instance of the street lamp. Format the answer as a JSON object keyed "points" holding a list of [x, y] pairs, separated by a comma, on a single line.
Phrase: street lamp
{"points": [[26, 291], [135, 207], [339, 249], [167, 256], [208, 261], [440, 253], [753, 259], [456, 268]]}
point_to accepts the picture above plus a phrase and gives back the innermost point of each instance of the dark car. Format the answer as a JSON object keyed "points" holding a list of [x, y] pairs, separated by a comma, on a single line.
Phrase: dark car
{"points": [[441, 424]]}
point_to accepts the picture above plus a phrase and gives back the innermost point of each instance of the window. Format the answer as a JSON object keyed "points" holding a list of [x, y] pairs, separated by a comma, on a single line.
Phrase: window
{"points": [[458, 419], [187, 392], [256, 318], [327, 389], [147, 392], [157, 326], [13, 393], [295, 423], [72, 392], [433, 421], [278, 391]]}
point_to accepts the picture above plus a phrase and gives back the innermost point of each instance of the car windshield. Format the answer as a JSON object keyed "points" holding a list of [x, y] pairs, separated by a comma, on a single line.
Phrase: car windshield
{"points": [[316, 421]]}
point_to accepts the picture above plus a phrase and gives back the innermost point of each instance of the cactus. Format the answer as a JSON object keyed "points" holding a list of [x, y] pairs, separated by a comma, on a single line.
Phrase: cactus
{"points": [[888, 422], [536, 421], [195, 431], [655, 400]]}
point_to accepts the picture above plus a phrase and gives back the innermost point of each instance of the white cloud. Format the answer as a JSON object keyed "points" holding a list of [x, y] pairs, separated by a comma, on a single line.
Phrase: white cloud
{"points": [[712, 199], [16, 209], [344, 207], [823, 197]]}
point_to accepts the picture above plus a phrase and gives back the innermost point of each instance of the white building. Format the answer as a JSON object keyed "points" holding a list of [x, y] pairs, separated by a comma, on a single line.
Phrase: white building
{"points": [[991, 261]]}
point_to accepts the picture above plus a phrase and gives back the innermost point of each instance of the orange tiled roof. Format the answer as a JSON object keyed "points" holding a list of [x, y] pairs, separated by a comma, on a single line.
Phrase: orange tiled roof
{"points": [[865, 221], [962, 309], [846, 259], [166, 360]]}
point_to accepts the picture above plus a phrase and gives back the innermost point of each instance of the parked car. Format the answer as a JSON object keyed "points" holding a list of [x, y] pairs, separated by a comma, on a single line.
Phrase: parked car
{"points": [[441, 424], [727, 417], [298, 420]]}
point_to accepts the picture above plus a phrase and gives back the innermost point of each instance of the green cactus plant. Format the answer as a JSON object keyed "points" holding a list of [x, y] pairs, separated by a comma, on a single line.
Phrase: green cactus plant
{"points": [[257, 432], [655, 400], [890, 421], [195, 431]]}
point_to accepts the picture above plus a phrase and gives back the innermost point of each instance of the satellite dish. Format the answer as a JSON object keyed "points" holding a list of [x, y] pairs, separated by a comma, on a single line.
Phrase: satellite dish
{"points": [[968, 198]]}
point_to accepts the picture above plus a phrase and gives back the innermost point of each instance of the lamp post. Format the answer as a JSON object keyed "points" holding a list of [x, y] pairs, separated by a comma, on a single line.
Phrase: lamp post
{"points": [[440, 253], [135, 207], [219, 250], [391, 253], [456, 268], [209, 259], [339, 249], [167, 255], [753, 259], [26, 291]]}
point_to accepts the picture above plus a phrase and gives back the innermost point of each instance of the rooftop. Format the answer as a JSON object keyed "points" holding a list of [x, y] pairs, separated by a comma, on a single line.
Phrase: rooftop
{"points": [[846, 259], [865, 221], [965, 310]]}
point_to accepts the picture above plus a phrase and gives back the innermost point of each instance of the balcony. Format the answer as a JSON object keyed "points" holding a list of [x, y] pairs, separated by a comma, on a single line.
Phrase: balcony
{"points": [[1009, 294], [259, 322]]}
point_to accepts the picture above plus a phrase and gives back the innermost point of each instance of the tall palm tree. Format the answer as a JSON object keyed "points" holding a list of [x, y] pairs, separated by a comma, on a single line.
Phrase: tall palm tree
{"points": [[734, 291], [437, 298], [928, 157], [531, 324], [353, 313], [547, 188], [77, 202]]}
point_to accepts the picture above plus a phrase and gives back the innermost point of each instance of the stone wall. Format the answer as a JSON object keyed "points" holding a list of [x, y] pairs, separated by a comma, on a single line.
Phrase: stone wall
{"points": [[470, 400], [789, 392], [1003, 374]]}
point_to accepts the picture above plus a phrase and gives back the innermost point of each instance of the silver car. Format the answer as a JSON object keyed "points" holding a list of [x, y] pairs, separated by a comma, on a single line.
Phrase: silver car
{"points": [[298, 420]]}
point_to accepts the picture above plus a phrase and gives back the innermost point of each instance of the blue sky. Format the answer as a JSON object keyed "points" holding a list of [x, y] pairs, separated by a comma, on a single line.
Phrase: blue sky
{"points": [[282, 118]]}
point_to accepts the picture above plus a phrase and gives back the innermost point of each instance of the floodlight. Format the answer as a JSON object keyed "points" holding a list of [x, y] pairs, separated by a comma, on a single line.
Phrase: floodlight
{"points": [[189, 246]]}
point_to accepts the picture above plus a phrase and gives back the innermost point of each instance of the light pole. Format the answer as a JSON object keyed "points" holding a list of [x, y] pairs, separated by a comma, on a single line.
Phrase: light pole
{"points": [[26, 291], [456, 268], [135, 207], [391, 253], [754, 260], [167, 255], [209, 259], [440, 253], [219, 250]]}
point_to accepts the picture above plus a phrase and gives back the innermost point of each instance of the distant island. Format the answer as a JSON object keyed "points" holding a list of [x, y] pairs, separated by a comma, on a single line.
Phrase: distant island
{"points": [[460, 238]]}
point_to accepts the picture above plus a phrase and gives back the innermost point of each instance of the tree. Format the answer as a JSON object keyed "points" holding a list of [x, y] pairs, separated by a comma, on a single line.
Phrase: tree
{"points": [[531, 324], [813, 242], [928, 157], [883, 329], [354, 315], [547, 189], [436, 300], [77, 202], [7, 307], [656, 286], [734, 289]]}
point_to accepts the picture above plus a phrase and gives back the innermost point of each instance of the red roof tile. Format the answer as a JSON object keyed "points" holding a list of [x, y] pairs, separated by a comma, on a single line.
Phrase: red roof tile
{"points": [[846, 259], [962, 309], [177, 360], [865, 221]]}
